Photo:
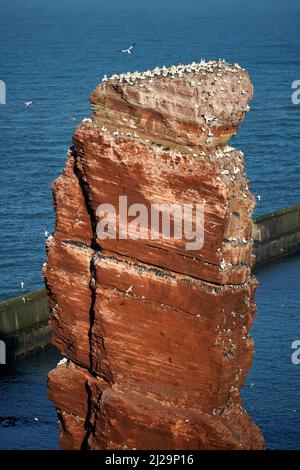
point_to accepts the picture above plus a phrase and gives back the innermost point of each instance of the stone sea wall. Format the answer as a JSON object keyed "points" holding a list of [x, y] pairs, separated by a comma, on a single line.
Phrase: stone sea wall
{"points": [[24, 324]]}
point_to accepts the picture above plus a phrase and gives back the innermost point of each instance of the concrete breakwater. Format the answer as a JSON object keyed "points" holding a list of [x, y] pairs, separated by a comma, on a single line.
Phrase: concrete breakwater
{"points": [[276, 234], [24, 320], [24, 325]]}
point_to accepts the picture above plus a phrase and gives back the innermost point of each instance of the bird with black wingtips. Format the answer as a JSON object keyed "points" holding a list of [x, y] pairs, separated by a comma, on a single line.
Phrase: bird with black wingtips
{"points": [[128, 50]]}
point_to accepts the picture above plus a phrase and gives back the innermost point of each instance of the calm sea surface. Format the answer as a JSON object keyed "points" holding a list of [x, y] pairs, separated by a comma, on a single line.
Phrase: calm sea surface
{"points": [[54, 54]]}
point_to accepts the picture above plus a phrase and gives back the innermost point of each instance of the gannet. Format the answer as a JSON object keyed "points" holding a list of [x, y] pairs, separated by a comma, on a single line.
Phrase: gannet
{"points": [[129, 49], [129, 290]]}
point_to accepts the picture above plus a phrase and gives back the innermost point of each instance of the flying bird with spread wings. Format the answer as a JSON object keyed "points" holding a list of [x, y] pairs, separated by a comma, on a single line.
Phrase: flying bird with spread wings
{"points": [[128, 50]]}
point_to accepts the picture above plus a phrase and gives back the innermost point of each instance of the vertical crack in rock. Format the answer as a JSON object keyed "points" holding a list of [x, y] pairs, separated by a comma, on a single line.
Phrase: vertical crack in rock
{"points": [[156, 335], [85, 193], [102, 365]]}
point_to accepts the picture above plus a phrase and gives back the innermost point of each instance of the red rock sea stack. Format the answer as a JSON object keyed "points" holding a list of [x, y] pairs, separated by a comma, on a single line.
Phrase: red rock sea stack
{"points": [[156, 335]]}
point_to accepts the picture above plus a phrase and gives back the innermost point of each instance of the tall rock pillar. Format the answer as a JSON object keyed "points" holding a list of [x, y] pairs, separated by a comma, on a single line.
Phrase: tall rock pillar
{"points": [[155, 328]]}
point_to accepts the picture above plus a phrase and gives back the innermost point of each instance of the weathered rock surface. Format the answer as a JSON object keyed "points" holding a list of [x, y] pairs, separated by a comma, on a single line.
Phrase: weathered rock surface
{"points": [[156, 335]]}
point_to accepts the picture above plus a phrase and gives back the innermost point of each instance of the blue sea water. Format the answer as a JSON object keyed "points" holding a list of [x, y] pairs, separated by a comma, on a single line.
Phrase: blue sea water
{"points": [[28, 419], [54, 54]]}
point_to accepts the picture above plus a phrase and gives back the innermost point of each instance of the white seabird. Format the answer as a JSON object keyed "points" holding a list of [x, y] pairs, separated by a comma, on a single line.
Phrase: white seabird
{"points": [[62, 362], [129, 49], [129, 290], [22, 284], [28, 103]]}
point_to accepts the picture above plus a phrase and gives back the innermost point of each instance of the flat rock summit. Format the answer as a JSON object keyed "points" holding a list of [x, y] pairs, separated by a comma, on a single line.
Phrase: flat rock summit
{"points": [[156, 335]]}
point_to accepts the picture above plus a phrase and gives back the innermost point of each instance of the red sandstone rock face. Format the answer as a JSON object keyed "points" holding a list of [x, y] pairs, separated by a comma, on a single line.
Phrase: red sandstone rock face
{"points": [[156, 335]]}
